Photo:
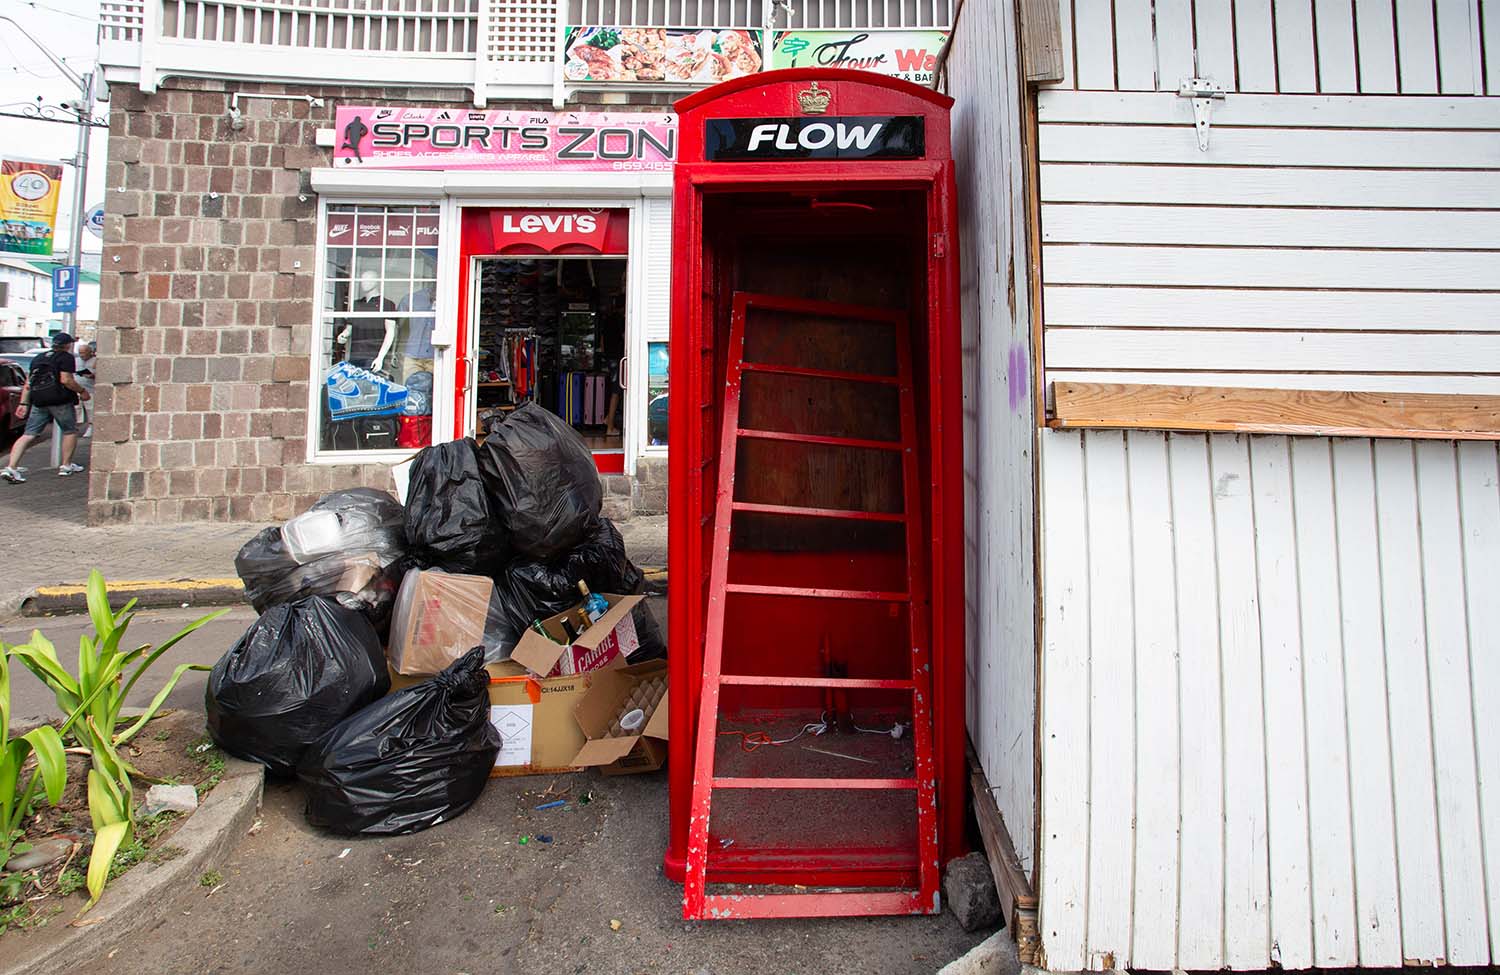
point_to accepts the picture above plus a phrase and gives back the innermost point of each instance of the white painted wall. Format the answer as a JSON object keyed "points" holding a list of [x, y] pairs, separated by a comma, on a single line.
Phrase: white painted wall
{"points": [[999, 429], [1268, 729]]}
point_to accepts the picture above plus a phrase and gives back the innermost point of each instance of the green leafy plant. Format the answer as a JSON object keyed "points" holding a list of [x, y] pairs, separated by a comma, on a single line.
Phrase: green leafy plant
{"points": [[95, 699], [51, 767]]}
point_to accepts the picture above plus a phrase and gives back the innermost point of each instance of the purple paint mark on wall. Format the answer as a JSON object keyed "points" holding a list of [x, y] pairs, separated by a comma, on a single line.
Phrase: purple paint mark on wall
{"points": [[1018, 374]]}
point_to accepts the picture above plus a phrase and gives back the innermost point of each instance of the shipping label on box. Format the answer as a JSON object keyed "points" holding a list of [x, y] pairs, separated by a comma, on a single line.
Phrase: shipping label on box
{"points": [[513, 721]]}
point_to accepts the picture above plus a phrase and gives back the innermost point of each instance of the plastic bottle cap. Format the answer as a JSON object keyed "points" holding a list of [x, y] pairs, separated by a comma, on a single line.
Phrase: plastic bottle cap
{"points": [[632, 720]]}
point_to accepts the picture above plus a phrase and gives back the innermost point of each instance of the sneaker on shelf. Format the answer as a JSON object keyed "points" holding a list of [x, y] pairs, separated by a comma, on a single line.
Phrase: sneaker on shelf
{"points": [[12, 475]]}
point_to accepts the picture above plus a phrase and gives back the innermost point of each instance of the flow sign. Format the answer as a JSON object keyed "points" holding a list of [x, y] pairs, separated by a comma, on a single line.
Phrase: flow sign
{"points": [[64, 289]]}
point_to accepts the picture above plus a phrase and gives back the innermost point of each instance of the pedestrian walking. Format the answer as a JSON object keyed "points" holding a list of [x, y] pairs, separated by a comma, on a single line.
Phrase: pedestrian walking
{"points": [[51, 395]]}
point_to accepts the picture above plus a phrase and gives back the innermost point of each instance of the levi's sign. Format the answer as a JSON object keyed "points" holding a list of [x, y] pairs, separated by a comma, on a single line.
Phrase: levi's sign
{"points": [[823, 137]]}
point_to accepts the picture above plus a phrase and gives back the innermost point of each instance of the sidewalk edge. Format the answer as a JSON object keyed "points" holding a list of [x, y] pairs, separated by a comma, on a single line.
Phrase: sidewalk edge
{"points": [[146, 894]]}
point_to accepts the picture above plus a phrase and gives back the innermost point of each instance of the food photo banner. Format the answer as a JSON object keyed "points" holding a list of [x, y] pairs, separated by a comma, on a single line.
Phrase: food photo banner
{"points": [[449, 138], [660, 55]]}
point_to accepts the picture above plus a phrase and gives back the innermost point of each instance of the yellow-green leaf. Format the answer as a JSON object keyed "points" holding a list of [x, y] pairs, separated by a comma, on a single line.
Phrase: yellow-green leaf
{"points": [[98, 599], [107, 841], [50, 759]]}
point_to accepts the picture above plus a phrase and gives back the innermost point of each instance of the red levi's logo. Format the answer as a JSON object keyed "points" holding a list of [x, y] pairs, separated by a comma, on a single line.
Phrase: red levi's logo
{"points": [[552, 231]]}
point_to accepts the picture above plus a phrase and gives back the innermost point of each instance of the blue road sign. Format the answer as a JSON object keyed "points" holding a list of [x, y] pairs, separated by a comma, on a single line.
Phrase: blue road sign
{"points": [[64, 289]]}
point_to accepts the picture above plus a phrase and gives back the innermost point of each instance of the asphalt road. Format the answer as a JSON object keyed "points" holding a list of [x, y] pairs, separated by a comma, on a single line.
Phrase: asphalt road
{"points": [[32, 702]]}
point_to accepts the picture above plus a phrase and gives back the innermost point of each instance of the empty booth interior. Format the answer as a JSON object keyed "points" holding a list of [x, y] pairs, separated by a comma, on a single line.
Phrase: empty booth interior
{"points": [[827, 511]]}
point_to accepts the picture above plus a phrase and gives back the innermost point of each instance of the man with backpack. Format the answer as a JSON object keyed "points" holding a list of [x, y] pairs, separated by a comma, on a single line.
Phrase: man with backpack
{"points": [[51, 394]]}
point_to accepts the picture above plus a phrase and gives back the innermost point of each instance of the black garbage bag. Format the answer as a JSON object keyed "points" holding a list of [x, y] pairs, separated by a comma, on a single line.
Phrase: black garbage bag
{"points": [[542, 480], [350, 545], [299, 670], [410, 761], [528, 590], [450, 521]]}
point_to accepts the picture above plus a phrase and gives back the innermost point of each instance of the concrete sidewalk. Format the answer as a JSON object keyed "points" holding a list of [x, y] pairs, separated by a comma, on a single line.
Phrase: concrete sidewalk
{"points": [[47, 542]]}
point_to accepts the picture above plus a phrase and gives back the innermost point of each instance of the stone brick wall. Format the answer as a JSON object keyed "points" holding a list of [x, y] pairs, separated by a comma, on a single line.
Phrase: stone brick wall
{"points": [[206, 313]]}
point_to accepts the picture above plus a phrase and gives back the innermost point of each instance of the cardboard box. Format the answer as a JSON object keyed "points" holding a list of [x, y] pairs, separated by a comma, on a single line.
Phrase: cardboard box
{"points": [[535, 716], [612, 637], [622, 753], [438, 617]]}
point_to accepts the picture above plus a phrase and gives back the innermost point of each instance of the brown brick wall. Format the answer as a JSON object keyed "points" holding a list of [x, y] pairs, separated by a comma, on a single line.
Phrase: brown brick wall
{"points": [[206, 302]]}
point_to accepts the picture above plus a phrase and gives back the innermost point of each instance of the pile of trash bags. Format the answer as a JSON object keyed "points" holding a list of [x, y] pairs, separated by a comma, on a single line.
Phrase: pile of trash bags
{"points": [[305, 691]]}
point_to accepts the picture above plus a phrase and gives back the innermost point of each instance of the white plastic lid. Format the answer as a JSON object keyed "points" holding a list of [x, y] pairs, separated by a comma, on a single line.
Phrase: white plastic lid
{"points": [[632, 720]]}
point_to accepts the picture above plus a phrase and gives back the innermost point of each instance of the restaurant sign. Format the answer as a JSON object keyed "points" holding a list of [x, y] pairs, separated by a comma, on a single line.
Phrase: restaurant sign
{"points": [[907, 54], [454, 138]]}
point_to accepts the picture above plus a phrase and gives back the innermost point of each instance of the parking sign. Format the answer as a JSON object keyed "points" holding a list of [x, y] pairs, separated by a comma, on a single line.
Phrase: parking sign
{"points": [[64, 289]]}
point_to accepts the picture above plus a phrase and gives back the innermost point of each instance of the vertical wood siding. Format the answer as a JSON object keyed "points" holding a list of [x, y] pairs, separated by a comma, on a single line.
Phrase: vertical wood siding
{"points": [[1268, 682], [1411, 47], [998, 414]]}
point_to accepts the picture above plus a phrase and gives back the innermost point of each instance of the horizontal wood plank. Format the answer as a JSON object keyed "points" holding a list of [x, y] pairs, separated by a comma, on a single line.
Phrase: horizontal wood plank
{"points": [[1178, 145], [1269, 186], [1261, 308], [1271, 111], [1351, 381], [1106, 348], [1309, 412], [1271, 267], [1270, 226]]}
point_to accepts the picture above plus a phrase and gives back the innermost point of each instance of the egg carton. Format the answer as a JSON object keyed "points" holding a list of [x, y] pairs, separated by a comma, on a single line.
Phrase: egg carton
{"points": [[644, 697]]}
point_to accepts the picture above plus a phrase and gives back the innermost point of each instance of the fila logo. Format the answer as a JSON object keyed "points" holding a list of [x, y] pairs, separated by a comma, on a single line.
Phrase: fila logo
{"points": [[536, 223], [427, 230]]}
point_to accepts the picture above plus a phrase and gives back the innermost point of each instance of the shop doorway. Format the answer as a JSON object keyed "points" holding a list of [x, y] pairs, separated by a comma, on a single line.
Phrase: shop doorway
{"points": [[547, 321], [551, 331]]}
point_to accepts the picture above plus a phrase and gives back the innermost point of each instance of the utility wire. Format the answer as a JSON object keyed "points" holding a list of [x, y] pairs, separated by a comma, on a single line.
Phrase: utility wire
{"points": [[58, 10]]}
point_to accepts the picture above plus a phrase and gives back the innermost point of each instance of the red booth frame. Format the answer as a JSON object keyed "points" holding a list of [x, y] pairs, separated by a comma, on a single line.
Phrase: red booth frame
{"points": [[772, 94]]}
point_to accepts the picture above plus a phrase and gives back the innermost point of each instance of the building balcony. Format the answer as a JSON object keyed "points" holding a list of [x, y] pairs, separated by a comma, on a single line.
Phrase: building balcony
{"points": [[499, 49]]}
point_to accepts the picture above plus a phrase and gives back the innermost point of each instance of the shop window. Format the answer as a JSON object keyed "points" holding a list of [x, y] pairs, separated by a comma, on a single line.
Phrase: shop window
{"points": [[656, 394], [374, 354]]}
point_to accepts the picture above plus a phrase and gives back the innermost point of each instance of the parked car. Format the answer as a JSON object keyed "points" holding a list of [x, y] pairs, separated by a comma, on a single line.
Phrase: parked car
{"points": [[22, 343], [12, 380]]}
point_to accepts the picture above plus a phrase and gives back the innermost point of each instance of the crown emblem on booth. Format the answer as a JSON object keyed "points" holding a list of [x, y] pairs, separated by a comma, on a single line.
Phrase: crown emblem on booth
{"points": [[814, 100]]}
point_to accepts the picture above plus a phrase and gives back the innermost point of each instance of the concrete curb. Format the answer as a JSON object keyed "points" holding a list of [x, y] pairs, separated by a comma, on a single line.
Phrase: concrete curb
{"points": [[995, 955], [145, 895], [148, 593]]}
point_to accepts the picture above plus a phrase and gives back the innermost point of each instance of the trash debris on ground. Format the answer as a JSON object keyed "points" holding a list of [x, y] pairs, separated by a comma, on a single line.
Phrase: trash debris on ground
{"points": [[170, 798], [298, 670], [450, 521], [530, 590], [418, 757], [440, 616], [570, 642], [542, 480], [350, 545], [636, 692]]}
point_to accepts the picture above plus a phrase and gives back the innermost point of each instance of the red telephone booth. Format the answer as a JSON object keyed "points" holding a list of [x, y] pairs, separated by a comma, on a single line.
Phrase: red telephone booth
{"points": [[817, 594]]}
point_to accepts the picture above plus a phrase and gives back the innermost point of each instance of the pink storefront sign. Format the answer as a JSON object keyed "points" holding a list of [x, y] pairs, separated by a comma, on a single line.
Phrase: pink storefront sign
{"points": [[451, 138]]}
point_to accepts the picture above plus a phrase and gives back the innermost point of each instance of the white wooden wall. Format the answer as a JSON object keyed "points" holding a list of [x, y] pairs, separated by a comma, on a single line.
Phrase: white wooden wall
{"points": [[1339, 232], [1378, 47], [1326, 242], [998, 413], [1270, 674]]}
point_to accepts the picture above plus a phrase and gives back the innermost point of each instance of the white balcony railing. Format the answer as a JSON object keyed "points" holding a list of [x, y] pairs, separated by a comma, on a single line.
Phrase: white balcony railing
{"points": [[496, 48]]}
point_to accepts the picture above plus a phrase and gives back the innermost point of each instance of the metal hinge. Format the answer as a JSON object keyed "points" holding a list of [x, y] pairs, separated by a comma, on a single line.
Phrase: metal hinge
{"points": [[1203, 92], [939, 245]]}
